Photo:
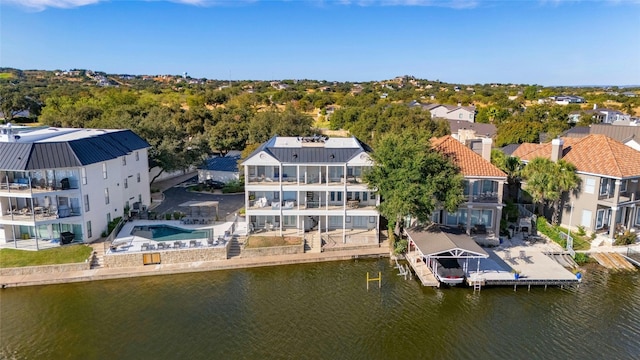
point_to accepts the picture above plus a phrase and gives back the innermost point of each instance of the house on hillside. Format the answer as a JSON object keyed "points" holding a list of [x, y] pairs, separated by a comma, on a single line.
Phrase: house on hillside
{"points": [[465, 131], [600, 115], [609, 195], [60, 184], [452, 112], [312, 186], [483, 187]]}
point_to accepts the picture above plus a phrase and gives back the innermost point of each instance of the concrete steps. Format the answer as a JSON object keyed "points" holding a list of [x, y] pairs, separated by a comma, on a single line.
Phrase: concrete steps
{"points": [[235, 250], [97, 260]]}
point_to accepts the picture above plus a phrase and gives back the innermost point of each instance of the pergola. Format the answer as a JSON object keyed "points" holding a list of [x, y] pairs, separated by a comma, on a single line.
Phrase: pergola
{"points": [[200, 209]]}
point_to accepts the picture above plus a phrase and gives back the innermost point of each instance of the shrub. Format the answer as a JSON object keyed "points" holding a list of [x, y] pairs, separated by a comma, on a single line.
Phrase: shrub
{"points": [[112, 225], [242, 212], [233, 187], [177, 215], [167, 216], [581, 258], [627, 238], [401, 246]]}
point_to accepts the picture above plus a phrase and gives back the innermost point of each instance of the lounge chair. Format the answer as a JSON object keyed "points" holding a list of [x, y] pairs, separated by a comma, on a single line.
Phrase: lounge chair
{"points": [[160, 245], [176, 245], [144, 247], [192, 243]]}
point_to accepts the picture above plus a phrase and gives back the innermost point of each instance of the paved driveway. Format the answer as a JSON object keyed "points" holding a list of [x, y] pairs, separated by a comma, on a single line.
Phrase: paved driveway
{"points": [[173, 197]]}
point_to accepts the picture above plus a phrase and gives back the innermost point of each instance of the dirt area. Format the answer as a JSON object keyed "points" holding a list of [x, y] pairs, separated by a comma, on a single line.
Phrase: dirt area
{"points": [[267, 241]]}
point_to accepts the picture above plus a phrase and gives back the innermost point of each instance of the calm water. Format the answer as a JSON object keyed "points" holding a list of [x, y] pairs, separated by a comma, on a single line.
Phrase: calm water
{"points": [[319, 311]]}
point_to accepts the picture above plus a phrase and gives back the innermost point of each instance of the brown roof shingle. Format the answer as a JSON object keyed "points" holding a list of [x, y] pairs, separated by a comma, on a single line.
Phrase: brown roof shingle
{"points": [[594, 154], [470, 163]]}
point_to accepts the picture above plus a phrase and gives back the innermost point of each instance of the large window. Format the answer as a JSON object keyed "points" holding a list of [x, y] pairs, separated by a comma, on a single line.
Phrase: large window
{"points": [[607, 186], [602, 218], [586, 218], [86, 203], [106, 196], [458, 218], [89, 232], [83, 172], [104, 170], [623, 186], [484, 217], [590, 186], [126, 183]]}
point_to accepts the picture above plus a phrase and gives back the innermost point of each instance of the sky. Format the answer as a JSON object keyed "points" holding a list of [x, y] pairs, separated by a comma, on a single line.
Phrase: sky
{"points": [[545, 42]]}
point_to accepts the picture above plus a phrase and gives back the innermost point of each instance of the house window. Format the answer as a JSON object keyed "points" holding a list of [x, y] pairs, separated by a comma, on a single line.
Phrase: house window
{"points": [[602, 218], [137, 156], [126, 183], [590, 186], [106, 196], [373, 196], [638, 218], [124, 160], [108, 217], [606, 186], [364, 196], [104, 170], [89, 233], [83, 174], [586, 218], [470, 116], [460, 115], [138, 177], [86, 203], [139, 198], [623, 186]]}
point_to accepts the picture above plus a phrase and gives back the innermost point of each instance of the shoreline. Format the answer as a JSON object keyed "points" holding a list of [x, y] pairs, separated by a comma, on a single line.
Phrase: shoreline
{"points": [[191, 267]]}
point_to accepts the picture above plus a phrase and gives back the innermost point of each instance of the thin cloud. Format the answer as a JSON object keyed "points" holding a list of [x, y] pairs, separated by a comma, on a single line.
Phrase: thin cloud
{"points": [[455, 4], [40, 5]]}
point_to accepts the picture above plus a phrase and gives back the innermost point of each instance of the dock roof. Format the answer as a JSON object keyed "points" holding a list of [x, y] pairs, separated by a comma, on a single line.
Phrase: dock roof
{"points": [[445, 242]]}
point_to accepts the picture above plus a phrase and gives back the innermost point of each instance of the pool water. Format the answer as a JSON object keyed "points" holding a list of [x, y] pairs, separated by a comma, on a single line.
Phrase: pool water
{"points": [[168, 233]]}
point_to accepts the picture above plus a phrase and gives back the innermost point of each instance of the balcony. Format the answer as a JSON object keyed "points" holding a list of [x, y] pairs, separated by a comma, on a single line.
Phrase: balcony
{"points": [[40, 213], [486, 197], [38, 182]]}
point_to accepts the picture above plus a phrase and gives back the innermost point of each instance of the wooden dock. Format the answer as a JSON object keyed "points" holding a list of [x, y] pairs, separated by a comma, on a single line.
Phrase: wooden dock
{"points": [[421, 270]]}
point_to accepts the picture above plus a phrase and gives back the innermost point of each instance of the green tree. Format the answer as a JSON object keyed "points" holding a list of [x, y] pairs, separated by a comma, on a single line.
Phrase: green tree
{"points": [[412, 178], [547, 181], [512, 166]]}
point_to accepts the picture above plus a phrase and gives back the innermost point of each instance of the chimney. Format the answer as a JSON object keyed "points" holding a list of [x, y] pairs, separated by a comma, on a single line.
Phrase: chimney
{"points": [[486, 148], [556, 149]]}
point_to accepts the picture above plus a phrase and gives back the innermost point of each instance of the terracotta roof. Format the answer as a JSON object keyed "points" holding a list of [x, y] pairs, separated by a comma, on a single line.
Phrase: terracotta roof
{"points": [[470, 163], [594, 154]]}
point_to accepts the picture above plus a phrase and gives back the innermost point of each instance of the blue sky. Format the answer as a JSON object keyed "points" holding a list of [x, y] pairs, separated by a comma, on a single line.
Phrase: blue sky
{"points": [[457, 41]]}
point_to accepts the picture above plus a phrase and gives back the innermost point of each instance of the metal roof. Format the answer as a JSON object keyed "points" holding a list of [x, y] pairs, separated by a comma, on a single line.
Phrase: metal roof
{"points": [[64, 154], [442, 241], [229, 164], [14, 156], [313, 155]]}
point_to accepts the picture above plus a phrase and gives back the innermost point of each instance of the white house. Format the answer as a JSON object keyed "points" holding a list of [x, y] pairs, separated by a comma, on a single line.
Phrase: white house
{"points": [[312, 185], [452, 112], [219, 168], [58, 183]]}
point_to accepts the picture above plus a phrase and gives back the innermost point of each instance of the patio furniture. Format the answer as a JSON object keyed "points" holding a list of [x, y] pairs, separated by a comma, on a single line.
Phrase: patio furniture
{"points": [[144, 247], [160, 245], [192, 243], [176, 245], [210, 242]]}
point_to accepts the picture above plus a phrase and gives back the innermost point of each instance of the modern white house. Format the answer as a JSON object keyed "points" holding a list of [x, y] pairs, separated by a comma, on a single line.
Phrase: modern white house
{"points": [[61, 184], [220, 168], [452, 112], [312, 186]]}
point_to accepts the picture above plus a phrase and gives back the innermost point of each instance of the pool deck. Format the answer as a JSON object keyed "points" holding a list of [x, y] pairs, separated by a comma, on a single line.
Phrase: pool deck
{"points": [[131, 243]]}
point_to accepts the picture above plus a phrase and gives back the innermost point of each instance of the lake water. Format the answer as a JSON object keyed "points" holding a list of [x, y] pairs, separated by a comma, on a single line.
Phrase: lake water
{"points": [[319, 311]]}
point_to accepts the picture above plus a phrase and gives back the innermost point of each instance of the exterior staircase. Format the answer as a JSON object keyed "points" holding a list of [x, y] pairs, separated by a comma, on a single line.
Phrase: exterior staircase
{"points": [[313, 243], [235, 250], [97, 259]]}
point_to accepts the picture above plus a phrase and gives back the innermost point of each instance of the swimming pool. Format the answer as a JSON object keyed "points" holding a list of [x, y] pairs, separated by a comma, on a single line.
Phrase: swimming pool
{"points": [[168, 233]]}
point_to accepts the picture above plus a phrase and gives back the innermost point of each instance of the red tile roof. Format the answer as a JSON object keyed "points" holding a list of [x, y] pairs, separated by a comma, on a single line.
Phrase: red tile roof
{"points": [[470, 163], [594, 154]]}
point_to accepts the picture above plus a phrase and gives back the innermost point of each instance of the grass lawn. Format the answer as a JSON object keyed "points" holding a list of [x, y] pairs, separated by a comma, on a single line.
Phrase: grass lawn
{"points": [[61, 255], [267, 241], [6, 76], [553, 232]]}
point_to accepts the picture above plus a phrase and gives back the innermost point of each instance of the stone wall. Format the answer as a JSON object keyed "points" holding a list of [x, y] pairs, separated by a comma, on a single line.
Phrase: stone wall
{"points": [[44, 269], [273, 250], [168, 256]]}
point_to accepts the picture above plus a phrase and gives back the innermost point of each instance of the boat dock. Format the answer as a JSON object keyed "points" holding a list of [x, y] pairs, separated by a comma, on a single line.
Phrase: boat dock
{"points": [[422, 271]]}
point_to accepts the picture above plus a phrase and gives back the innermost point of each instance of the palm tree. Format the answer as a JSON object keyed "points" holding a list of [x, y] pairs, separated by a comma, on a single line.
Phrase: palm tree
{"points": [[512, 166], [547, 181]]}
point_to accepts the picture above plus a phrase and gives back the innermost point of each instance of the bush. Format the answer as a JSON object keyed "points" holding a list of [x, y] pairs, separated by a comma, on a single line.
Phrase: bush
{"points": [[627, 238], [233, 187], [581, 231], [581, 258], [112, 225], [401, 246], [167, 216], [177, 215]]}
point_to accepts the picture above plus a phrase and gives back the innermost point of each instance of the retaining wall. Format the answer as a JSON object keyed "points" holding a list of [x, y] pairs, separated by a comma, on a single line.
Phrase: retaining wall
{"points": [[44, 269], [167, 256], [274, 250]]}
